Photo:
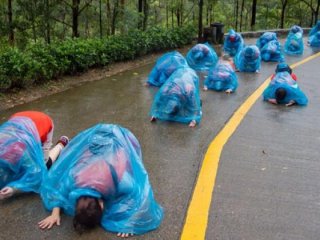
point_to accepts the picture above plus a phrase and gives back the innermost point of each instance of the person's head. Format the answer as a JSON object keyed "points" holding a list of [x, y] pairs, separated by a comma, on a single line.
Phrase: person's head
{"points": [[295, 29], [172, 107], [251, 52], [88, 213], [283, 67], [233, 38], [281, 93]]}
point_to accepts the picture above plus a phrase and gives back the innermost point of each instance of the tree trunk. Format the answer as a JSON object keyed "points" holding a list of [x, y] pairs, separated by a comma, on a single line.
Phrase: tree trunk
{"points": [[121, 17], [317, 12], [47, 21], [100, 18], [140, 12], [181, 12], [200, 21], [253, 15], [167, 14], [108, 17], [10, 23], [75, 18], [114, 17], [172, 18], [33, 25], [241, 14], [145, 14], [236, 14], [283, 10]]}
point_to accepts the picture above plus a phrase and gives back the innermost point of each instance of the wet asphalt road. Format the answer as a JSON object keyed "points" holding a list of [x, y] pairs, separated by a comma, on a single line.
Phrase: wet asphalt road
{"points": [[257, 195]]}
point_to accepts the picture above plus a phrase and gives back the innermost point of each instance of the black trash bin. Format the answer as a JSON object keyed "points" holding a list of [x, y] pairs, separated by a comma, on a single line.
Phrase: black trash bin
{"points": [[217, 33]]}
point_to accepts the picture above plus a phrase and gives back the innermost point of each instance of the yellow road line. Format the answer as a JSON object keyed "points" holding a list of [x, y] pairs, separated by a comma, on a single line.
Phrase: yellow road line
{"points": [[198, 211]]}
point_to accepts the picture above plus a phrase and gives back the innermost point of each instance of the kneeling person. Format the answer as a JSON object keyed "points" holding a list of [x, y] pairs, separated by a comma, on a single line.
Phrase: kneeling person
{"points": [[25, 140], [100, 179], [179, 99]]}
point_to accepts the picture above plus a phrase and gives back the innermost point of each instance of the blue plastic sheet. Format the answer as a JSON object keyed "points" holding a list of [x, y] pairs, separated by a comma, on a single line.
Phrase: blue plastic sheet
{"points": [[105, 161], [233, 43], [294, 43], [21, 158], [222, 77], [164, 67], [314, 40], [315, 29], [265, 38], [271, 52], [248, 59], [179, 98], [201, 57], [284, 80]]}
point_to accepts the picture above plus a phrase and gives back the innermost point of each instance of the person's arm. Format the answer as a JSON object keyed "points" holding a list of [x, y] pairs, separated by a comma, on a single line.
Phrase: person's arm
{"points": [[54, 218]]}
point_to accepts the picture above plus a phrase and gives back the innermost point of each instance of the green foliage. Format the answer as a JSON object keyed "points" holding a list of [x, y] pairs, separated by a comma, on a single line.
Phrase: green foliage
{"points": [[40, 62]]}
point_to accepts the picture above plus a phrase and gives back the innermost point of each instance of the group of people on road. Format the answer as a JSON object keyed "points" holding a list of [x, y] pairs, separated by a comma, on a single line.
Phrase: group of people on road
{"points": [[99, 177], [178, 98]]}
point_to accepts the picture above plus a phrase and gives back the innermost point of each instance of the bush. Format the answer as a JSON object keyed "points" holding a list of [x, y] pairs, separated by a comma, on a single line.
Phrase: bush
{"points": [[40, 62]]}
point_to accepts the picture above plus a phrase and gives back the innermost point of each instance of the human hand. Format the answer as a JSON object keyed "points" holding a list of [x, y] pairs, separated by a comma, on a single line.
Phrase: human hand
{"points": [[272, 100], [124, 235], [49, 222], [292, 102], [6, 192]]}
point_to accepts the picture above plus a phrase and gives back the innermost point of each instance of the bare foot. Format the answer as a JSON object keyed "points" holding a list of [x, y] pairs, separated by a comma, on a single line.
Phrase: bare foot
{"points": [[290, 103], [125, 235], [192, 124]]}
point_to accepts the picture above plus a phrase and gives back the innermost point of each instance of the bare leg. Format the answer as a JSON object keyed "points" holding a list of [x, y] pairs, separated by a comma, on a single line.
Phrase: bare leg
{"points": [[55, 151]]}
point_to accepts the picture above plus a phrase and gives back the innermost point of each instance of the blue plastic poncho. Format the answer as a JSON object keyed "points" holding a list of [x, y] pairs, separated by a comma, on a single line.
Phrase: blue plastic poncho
{"points": [[104, 161], [21, 158], [284, 80], [164, 67], [314, 40], [265, 38], [294, 43], [248, 59], [202, 57], [315, 29], [179, 98], [271, 52], [222, 77], [233, 43]]}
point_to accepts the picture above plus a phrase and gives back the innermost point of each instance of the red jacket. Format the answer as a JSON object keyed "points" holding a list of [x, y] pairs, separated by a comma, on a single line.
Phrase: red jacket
{"points": [[294, 77], [43, 122]]}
